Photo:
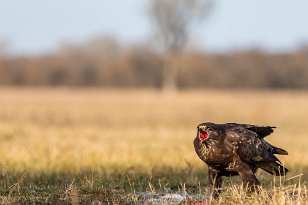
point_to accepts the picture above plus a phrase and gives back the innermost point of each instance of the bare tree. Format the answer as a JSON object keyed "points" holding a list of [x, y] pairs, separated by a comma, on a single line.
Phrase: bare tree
{"points": [[172, 21], [3, 48]]}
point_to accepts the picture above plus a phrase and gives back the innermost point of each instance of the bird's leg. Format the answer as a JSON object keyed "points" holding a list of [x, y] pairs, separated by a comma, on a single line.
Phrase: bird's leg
{"points": [[215, 181], [250, 181]]}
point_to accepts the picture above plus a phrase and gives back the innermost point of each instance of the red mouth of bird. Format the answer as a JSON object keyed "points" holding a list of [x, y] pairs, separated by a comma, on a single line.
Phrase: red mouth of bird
{"points": [[203, 135]]}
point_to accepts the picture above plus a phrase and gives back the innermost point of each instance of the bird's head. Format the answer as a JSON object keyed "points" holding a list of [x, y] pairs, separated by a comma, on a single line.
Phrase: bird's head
{"points": [[204, 131]]}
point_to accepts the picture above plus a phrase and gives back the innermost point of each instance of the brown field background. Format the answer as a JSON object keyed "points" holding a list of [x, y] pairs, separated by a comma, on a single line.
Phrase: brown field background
{"points": [[49, 130]]}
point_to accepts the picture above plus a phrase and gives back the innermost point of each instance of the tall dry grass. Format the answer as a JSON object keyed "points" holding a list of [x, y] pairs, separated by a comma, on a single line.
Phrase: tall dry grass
{"points": [[50, 128], [54, 130]]}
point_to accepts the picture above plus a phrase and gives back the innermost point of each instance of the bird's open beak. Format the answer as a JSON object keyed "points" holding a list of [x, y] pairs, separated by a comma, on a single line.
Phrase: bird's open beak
{"points": [[202, 133]]}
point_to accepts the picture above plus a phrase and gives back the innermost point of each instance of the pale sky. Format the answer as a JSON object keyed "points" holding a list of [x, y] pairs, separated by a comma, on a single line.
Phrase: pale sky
{"points": [[35, 26]]}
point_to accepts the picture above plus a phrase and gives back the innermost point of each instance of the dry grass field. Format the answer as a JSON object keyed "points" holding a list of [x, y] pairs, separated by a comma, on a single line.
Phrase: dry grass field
{"points": [[70, 146]]}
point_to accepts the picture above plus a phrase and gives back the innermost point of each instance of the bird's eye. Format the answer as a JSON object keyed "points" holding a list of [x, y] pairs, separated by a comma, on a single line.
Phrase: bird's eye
{"points": [[209, 129]]}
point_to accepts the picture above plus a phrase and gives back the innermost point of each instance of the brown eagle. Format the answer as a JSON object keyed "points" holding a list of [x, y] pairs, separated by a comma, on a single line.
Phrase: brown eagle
{"points": [[237, 149]]}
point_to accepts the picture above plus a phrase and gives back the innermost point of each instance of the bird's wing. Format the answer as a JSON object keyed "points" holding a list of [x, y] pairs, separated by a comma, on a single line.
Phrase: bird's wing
{"points": [[248, 146], [261, 131]]}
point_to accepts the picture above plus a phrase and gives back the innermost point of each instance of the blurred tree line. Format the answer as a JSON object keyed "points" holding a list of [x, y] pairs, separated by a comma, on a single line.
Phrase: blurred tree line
{"points": [[165, 64], [104, 62]]}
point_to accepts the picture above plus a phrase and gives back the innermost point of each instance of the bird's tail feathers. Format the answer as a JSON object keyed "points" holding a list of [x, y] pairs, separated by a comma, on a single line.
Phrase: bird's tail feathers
{"points": [[280, 151], [273, 168]]}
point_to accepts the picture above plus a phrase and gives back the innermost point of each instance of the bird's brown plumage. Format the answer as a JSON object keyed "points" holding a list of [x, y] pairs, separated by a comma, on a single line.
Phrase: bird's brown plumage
{"points": [[237, 149]]}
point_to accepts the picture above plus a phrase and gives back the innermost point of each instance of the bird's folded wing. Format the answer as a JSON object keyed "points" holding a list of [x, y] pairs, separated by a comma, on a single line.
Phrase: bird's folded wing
{"points": [[248, 146], [261, 131]]}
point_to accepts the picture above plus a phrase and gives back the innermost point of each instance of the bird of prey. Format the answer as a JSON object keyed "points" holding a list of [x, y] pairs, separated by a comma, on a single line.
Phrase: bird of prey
{"points": [[237, 149]]}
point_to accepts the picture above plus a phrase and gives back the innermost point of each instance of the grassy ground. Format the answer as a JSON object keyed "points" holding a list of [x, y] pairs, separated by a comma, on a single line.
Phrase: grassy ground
{"points": [[88, 146]]}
